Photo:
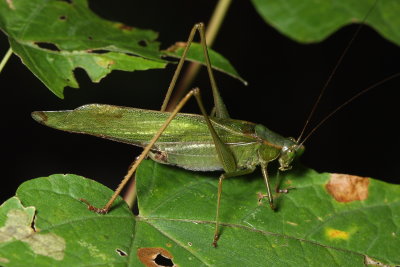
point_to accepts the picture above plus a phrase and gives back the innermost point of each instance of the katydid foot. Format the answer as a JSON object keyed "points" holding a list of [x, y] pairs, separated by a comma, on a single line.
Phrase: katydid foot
{"points": [[214, 243], [93, 208], [278, 191]]}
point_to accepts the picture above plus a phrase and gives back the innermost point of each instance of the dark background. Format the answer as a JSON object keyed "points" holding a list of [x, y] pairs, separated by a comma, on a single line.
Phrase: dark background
{"points": [[284, 80]]}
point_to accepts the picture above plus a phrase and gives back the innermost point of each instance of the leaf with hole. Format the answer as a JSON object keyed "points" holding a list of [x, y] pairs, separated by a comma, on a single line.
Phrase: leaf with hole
{"points": [[53, 38]]}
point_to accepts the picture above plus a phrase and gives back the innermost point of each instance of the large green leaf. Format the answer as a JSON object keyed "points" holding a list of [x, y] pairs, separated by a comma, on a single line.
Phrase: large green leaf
{"points": [[63, 232], [55, 37], [312, 21], [176, 221], [310, 228]]}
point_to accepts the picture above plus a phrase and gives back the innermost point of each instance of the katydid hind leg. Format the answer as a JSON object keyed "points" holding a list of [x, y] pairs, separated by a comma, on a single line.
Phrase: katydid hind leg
{"points": [[142, 156], [220, 108]]}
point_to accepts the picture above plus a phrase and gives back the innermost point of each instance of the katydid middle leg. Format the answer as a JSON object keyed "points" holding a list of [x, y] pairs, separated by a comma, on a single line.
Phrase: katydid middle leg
{"points": [[269, 192], [221, 179]]}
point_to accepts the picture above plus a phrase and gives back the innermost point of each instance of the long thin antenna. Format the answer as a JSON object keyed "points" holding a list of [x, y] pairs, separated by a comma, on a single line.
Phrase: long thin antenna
{"points": [[347, 102], [328, 81]]}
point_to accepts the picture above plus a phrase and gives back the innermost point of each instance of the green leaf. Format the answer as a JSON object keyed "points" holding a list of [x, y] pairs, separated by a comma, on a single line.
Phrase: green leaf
{"points": [[177, 215], [64, 232], [310, 228], [54, 37], [196, 54], [313, 21]]}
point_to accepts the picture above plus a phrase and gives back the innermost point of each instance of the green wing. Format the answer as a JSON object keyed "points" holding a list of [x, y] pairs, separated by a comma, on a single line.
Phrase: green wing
{"points": [[138, 126]]}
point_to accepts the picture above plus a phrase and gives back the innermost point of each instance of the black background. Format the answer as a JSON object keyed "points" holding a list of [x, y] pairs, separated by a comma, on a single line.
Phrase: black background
{"points": [[284, 80]]}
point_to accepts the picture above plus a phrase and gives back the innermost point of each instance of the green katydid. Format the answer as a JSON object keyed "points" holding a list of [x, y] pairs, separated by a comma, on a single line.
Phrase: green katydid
{"points": [[194, 142]]}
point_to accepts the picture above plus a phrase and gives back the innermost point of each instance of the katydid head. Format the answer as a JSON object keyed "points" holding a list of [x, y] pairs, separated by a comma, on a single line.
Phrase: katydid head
{"points": [[288, 148], [288, 153]]}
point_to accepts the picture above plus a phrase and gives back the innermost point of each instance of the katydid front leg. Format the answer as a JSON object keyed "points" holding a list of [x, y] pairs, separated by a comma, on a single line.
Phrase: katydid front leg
{"points": [[264, 171]]}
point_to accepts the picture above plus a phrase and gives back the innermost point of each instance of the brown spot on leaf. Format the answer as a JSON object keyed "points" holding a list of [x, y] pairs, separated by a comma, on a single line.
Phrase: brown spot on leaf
{"points": [[155, 257], [337, 234], [347, 188], [4, 260], [10, 4], [123, 27], [18, 227]]}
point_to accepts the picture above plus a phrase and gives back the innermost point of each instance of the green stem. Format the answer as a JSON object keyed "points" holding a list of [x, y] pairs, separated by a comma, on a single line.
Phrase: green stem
{"points": [[211, 33], [5, 59]]}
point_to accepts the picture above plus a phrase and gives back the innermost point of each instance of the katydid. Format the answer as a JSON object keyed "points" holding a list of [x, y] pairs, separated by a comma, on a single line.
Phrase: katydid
{"points": [[194, 142]]}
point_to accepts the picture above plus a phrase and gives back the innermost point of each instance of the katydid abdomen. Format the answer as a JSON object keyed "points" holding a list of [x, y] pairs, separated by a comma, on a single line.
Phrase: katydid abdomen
{"points": [[186, 142]]}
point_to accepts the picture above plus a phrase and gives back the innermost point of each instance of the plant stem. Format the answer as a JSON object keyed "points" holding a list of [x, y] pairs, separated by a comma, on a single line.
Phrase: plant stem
{"points": [[5, 59], [193, 68], [130, 195]]}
